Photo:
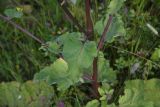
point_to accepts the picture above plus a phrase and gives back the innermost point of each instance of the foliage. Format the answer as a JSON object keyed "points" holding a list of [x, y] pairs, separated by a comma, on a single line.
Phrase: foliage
{"points": [[156, 54], [105, 92], [20, 58], [137, 93], [117, 26], [29, 94], [106, 73], [77, 58], [69, 59], [13, 13], [141, 93]]}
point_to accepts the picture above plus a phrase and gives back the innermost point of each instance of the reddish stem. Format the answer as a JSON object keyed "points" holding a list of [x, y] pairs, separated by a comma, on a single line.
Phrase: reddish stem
{"points": [[95, 83], [101, 42], [88, 19]]}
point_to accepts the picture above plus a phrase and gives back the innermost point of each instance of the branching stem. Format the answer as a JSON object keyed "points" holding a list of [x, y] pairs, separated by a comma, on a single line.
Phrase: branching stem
{"points": [[95, 83], [101, 42]]}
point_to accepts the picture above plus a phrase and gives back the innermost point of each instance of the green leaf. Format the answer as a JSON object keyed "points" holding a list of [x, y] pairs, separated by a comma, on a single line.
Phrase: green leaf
{"points": [[106, 73], [115, 6], [156, 55], [77, 57], [101, 91], [44, 74], [141, 93], [76, 52], [53, 47], [72, 46], [54, 73], [93, 103], [87, 54], [116, 28], [13, 13], [29, 94]]}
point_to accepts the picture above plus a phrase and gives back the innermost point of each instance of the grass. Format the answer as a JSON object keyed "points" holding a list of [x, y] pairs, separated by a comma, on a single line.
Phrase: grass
{"points": [[20, 57]]}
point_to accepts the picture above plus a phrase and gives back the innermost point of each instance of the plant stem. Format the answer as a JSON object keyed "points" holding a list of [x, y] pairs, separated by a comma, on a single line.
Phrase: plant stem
{"points": [[101, 42], [70, 16], [88, 20], [95, 83], [21, 29]]}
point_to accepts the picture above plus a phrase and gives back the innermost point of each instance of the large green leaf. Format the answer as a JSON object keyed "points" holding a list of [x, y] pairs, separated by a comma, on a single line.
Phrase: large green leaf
{"points": [[141, 93], [77, 57], [76, 52], [87, 54]]}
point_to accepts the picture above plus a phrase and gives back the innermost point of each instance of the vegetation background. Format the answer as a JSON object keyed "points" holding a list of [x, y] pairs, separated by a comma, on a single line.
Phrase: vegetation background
{"points": [[135, 56]]}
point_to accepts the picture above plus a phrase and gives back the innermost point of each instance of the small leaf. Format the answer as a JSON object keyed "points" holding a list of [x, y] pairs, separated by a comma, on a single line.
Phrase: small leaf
{"points": [[114, 6], [93, 103], [101, 91], [53, 47], [13, 13]]}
